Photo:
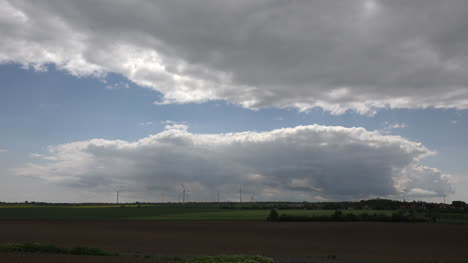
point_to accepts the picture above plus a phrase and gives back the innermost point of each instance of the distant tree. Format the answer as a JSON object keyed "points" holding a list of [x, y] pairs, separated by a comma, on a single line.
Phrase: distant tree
{"points": [[274, 216], [337, 215], [459, 204]]}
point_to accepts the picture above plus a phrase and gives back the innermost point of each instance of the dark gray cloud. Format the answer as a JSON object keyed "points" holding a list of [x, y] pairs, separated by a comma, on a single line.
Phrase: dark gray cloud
{"points": [[300, 163], [338, 55]]}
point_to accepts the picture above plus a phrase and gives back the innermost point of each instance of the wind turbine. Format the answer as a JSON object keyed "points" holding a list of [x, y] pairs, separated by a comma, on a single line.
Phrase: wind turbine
{"points": [[184, 191], [117, 190], [187, 195], [445, 190], [240, 193], [404, 195]]}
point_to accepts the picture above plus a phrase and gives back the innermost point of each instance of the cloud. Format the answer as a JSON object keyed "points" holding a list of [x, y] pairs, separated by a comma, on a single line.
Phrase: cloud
{"points": [[147, 123], [118, 86], [419, 181], [418, 192], [388, 127], [401, 125], [301, 163], [3, 150], [174, 125], [361, 55]]}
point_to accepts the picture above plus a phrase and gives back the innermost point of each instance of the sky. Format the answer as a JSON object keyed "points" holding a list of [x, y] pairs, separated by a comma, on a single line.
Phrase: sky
{"points": [[288, 100]]}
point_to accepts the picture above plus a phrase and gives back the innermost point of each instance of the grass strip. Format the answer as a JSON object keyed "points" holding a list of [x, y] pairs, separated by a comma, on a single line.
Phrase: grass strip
{"points": [[229, 259], [440, 261], [53, 249], [33, 247]]}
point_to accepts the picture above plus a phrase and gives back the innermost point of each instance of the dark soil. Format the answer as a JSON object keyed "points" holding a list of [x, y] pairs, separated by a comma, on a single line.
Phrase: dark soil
{"points": [[33, 258], [295, 240]]}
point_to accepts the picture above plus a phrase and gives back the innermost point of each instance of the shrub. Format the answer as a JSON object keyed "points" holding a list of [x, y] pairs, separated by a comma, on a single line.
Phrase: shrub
{"points": [[90, 251], [274, 216], [339, 216]]}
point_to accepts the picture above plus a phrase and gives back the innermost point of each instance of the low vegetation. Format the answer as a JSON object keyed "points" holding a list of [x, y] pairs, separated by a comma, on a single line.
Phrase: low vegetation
{"points": [[91, 251], [365, 210], [339, 216], [230, 259], [53, 249]]}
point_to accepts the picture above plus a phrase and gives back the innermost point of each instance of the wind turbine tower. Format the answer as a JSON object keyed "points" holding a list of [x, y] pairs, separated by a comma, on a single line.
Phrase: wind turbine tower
{"points": [[240, 193], [187, 195], [117, 191], [184, 191]]}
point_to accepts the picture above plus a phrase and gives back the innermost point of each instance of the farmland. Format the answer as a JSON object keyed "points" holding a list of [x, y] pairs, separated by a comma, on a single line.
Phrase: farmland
{"points": [[180, 213], [390, 241], [213, 229], [147, 213]]}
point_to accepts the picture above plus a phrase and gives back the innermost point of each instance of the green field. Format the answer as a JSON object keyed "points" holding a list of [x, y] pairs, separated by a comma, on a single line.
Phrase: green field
{"points": [[145, 213], [132, 212]]}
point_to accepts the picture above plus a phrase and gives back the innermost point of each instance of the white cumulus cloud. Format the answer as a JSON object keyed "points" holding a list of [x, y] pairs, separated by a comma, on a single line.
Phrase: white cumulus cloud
{"points": [[301, 163], [338, 55]]}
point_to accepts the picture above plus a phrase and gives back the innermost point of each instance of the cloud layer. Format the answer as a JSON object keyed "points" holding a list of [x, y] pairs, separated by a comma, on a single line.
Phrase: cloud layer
{"points": [[359, 54], [301, 163]]}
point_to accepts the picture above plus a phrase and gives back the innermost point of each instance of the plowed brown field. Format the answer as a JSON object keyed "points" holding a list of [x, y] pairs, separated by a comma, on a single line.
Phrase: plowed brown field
{"points": [[354, 240], [44, 258]]}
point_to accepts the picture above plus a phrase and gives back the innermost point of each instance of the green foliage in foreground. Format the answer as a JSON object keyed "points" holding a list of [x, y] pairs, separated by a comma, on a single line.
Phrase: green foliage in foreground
{"points": [[230, 259], [53, 249]]}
